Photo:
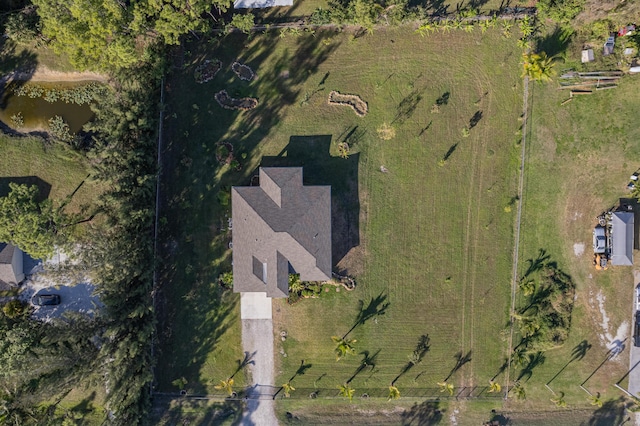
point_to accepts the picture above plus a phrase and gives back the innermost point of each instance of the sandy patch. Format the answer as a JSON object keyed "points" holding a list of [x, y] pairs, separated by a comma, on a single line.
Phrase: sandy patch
{"points": [[607, 339], [578, 249], [452, 418], [47, 75]]}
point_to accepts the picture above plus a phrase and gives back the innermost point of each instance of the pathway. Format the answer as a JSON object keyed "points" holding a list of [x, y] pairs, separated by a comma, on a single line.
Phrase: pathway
{"points": [[257, 340]]}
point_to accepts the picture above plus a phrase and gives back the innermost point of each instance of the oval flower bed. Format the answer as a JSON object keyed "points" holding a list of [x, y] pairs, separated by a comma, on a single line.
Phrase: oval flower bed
{"points": [[228, 102], [224, 153], [207, 70], [244, 72], [359, 106]]}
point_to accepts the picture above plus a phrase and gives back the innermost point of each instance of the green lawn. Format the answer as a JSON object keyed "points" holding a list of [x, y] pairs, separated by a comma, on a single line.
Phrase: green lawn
{"points": [[55, 168], [434, 241], [579, 160]]}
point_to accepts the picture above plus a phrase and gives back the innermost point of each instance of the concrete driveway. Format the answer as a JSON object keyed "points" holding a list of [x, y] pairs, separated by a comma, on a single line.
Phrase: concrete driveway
{"points": [[257, 340], [77, 298]]}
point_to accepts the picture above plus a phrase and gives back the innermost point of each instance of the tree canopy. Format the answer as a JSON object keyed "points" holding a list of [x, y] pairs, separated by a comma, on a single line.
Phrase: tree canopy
{"points": [[27, 223], [111, 34]]}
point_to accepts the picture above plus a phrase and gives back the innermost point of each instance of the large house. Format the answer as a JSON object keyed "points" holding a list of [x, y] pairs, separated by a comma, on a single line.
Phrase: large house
{"points": [[11, 272], [280, 227]]}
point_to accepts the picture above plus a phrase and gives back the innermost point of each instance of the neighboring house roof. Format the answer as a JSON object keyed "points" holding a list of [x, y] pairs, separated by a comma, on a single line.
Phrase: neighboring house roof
{"points": [[622, 238], [280, 227], [10, 265], [259, 4]]}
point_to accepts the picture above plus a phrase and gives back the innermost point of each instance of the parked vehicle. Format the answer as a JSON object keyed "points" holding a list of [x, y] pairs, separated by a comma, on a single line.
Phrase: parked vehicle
{"points": [[46, 299], [599, 240], [638, 297]]}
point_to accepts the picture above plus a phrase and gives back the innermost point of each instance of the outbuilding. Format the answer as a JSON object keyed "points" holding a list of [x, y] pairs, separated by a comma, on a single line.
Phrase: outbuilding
{"points": [[622, 229]]}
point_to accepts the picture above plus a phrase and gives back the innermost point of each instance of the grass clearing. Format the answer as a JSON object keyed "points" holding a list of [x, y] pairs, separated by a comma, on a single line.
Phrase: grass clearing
{"points": [[55, 168]]}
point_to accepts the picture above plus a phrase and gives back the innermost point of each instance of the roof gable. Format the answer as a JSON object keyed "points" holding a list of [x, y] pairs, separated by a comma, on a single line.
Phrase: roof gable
{"points": [[278, 225], [622, 228]]}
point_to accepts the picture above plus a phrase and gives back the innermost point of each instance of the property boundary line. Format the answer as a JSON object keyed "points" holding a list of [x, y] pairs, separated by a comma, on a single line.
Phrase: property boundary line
{"points": [[155, 228], [516, 248]]}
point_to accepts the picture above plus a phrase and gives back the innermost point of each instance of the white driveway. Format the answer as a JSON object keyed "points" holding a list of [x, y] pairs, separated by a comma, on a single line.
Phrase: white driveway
{"points": [[257, 340]]}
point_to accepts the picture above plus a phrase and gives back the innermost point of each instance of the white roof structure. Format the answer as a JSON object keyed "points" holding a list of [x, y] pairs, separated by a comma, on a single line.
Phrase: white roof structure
{"points": [[622, 239], [260, 4]]}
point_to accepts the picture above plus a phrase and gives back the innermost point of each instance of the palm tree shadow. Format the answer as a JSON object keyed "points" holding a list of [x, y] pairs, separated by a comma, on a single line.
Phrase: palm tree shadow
{"points": [[367, 361], [377, 306], [461, 360], [555, 43], [534, 360], [537, 264], [579, 352], [416, 357], [244, 362]]}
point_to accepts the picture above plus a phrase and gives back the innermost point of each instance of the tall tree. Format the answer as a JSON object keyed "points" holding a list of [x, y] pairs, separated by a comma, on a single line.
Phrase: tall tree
{"points": [[30, 224], [537, 66]]}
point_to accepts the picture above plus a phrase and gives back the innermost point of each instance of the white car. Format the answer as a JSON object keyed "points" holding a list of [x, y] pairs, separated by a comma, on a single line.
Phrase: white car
{"points": [[599, 240], [638, 298]]}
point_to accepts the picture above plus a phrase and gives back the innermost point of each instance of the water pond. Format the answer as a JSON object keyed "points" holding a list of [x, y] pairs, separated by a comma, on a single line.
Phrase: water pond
{"points": [[36, 111]]}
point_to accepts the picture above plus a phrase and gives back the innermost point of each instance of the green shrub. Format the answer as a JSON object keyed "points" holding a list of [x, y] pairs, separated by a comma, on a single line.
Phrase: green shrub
{"points": [[14, 309], [560, 11]]}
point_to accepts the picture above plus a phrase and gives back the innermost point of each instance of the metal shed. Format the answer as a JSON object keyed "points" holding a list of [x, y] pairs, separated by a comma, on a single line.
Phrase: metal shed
{"points": [[622, 238]]}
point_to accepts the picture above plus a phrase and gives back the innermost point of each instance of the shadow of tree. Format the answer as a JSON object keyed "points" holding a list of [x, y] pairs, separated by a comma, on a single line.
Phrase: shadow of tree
{"points": [[612, 412], [14, 62], [44, 188], [424, 414], [461, 360], [377, 307], [534, 360], [578, 352], [422, 347], [367, 360], [555, 43]]}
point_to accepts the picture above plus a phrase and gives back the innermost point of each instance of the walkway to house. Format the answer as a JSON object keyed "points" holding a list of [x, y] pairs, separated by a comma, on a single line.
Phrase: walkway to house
{"points": [[257, 340]]}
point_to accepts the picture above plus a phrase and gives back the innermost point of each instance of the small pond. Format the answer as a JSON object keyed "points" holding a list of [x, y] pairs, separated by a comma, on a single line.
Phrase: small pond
{"points": [[36, 112]]}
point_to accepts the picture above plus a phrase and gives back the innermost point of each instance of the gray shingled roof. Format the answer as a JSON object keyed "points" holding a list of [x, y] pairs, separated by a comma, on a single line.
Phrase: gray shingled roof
{"points": [[622, 238], [279, 227], [7, 274]]}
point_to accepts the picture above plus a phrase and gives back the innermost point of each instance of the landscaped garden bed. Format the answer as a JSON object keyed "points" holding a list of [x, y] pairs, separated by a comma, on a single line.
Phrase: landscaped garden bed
{"points": [[228, 102], [244, 72], [207, 70], [359, 106]]}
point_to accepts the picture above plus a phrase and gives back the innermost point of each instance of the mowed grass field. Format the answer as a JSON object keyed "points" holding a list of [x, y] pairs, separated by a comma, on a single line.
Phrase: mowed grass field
{"points": [[431, 242], [55, 168], [579, 160], [435, 240]]}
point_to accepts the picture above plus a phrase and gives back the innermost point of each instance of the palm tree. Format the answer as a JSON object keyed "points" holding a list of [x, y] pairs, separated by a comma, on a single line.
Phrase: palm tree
{"points": [[494, 386], [426, 29], [347, 391], [484, 26], [527, 287], [227, 385], [343, 347], [287, 388], [295, 285], [444, 386], [394, 393], [559, 400], [537, 66], [595, 400], [520, 392], [519, 357], [446, 25]]}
